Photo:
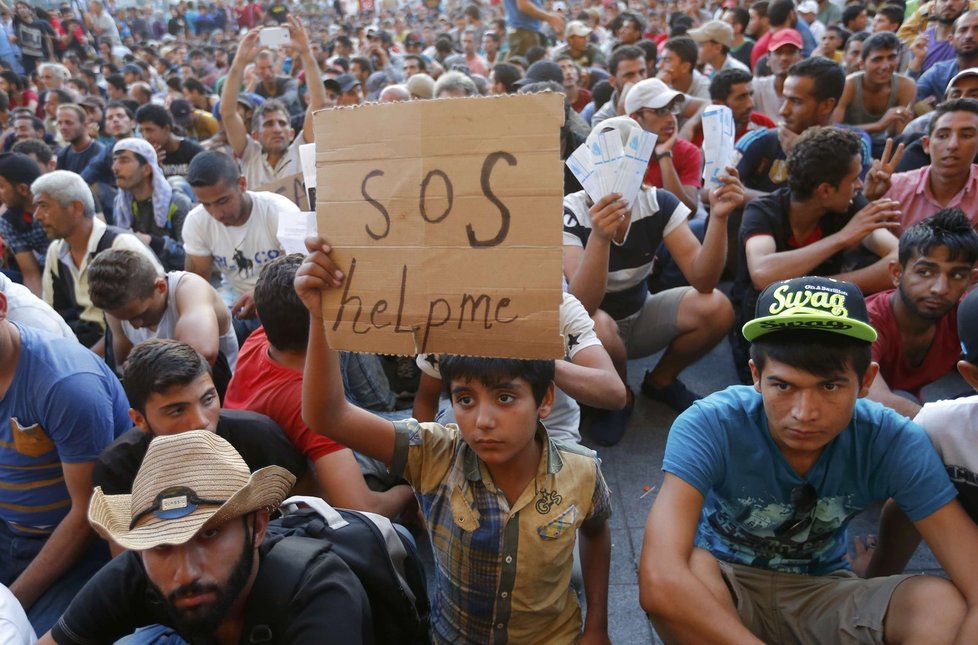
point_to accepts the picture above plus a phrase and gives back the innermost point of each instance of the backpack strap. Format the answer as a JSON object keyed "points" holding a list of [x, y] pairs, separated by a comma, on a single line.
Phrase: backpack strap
{"points": [[278, 575]]}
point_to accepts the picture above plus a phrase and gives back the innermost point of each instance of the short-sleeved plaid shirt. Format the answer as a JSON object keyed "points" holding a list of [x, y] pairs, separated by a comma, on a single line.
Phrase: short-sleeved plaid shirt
{"points": [[21, 232], [503, 572]]}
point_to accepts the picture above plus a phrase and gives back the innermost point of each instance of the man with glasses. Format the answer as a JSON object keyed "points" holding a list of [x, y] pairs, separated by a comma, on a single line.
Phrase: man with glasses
{"points": [[746, 541], [676, 163]]}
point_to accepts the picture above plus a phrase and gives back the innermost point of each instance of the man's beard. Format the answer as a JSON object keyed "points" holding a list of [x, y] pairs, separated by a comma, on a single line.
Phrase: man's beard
{"points": [[198, 625], [912, 306]]}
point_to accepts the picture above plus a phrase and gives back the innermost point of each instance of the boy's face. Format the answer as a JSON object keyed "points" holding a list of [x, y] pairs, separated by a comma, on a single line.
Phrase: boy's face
{"points": [[930, 285], [181, 408], [499, 421], [806, 411]]}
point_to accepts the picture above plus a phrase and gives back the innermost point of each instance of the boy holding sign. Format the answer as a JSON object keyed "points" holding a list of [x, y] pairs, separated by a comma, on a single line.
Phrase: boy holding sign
{"points": [[502, 501]]}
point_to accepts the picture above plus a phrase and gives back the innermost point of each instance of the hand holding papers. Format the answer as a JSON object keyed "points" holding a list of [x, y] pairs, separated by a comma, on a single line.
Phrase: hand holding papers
{"points": [[718, 143], [605, 164]]}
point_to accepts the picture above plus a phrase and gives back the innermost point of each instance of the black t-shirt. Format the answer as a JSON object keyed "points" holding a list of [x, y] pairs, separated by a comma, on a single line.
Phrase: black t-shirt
{"points": [[76, 162], [176, 26], [258, 440], [178, 161], [328, 605]]}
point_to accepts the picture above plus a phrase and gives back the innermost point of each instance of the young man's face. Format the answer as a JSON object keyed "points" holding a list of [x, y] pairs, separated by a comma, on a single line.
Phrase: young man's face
{"points": [[953, 144], [782, 58], [853, 56], [882, 23], [658, 121], [930, 285], [629, 33], [11, 196], [859, 22], [831, 41], [117, 122], [629, 71], [468, 44], [800, 110], [964, 88], [570, 72], [224, 201], [741, 103], [129, 172], [839, 198], [965, 38], [671, 64], [880, 65], [201, 579], [498, 422], [411, 67], [806, 411], [181, 408], [154, 134]]}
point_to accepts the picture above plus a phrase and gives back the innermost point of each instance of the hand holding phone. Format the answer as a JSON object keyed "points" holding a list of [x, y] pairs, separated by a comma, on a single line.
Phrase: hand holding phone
{"points": [[274, 37]]}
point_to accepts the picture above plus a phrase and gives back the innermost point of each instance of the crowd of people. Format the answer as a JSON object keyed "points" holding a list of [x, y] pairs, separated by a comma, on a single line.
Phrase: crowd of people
{"points": [[166, 381]]}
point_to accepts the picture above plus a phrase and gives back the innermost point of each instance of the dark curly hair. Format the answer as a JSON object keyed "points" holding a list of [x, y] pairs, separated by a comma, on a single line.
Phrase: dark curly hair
{"points": [[818, 156]]}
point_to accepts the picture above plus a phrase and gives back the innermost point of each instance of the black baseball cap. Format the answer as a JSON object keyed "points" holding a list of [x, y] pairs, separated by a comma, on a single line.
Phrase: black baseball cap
{"points": [[968, 326], [342, 83], [542, 70], [811, 302]]}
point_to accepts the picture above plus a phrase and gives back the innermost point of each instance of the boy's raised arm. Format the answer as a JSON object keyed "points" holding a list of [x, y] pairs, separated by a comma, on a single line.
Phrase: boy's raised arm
{"points": [[324, 406]]}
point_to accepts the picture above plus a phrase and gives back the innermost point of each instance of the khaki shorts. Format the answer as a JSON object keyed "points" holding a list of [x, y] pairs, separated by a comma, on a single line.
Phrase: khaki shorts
{"points": [[521, 40], [787, 608], [652, 327]]}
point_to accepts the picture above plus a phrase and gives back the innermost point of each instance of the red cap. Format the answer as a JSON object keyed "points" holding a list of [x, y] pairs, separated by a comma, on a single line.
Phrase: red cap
{"points": [[785, 37], [729, 4]]}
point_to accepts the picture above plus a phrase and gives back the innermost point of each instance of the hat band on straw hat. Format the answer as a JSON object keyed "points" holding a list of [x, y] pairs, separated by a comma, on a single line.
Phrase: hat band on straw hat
{"points": [[173, 503]]}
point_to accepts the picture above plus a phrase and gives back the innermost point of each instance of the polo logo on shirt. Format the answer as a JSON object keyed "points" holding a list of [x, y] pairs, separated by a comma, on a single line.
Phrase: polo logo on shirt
{"points": [[548, 499]]}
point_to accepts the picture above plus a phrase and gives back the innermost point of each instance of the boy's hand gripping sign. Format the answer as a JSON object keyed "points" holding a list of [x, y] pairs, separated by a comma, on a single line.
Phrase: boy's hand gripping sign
{"points": [[445, 217]]}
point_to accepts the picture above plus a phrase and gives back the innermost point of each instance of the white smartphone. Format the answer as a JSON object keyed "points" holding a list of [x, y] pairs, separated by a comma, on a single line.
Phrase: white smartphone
{"points": [[274, 36]]}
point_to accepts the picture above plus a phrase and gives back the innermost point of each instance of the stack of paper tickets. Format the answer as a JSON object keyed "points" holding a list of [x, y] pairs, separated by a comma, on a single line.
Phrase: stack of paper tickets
{"points": [[606, 166], [718, 143]]}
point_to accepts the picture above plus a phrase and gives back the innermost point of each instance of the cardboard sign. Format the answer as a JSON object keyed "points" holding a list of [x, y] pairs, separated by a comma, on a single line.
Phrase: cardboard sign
{"points": [[445, 217], [291, 187]]}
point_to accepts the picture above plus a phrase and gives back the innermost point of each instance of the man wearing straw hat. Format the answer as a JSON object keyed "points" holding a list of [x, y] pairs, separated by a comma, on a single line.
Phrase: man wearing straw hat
{"points": [[194, 527]]}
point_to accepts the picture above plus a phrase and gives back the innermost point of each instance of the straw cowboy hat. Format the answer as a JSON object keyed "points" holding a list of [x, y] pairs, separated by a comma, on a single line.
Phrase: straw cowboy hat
{"points": [[187, 482]]}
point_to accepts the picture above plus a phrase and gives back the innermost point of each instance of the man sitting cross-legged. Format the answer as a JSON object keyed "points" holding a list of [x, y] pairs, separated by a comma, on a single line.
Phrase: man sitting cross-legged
{"points": [[746, 541]]}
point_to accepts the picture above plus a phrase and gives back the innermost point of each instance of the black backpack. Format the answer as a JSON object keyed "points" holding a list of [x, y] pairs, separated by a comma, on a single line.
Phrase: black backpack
{"points": [[386, 564]]}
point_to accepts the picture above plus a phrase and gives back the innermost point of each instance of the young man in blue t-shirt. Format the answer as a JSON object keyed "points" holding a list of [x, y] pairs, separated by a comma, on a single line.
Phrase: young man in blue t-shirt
{"points": [[746, 541]]}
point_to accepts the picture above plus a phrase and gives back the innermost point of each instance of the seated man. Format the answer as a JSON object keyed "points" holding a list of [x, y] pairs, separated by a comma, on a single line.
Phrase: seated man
{"points": [[877, 99], [59, 407], [64, 205], [275, 154], [25, 308], [172, 152], [480, 484], [268, 380], [782, 53], [916, 323], [22, 235], [171, 390], [140, 303], [147, 204], [676, 164], [951, 179], [812, 90], [234, 229], [818, 225], [608, 249], [194, 528], [746, 541], [735, 89]]}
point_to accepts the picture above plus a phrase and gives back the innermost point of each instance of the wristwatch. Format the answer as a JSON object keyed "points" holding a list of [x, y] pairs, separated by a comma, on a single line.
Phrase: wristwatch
{"points": [[667, 153]]}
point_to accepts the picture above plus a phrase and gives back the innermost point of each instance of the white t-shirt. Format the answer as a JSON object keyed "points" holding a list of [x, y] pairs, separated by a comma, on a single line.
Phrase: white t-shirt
{"points": [[27, 309], [238, 251], [258, 172], [766, 99], [15, 629], [577, 330], [952, 426]]}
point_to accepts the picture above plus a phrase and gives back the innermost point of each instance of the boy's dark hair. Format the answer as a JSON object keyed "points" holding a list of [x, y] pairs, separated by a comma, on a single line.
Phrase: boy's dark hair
{"points": [[507, 74], [41, 150], [858, 37], [850, 13], [948, 227], [279, 309], [627, 16], [821, 353], [601, 93], [116, 277], [13, 79], [116, 81], [628, 52], [842, 32], [881, 40], [954, 105], [779, 11], [649, 47], [156, 114], [760, 8], [829, 77], [684, 47], [535, 53], [122, 106], [194, 85], [740, 16], [363, 62], [422, 65], [211, 168], [156, 365], [893, 12], [819, 156], [723, 82], [491, 371]]}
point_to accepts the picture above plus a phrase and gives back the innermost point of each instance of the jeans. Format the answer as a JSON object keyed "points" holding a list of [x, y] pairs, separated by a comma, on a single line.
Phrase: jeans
{"points": [[152, 635], [18, 551]]}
